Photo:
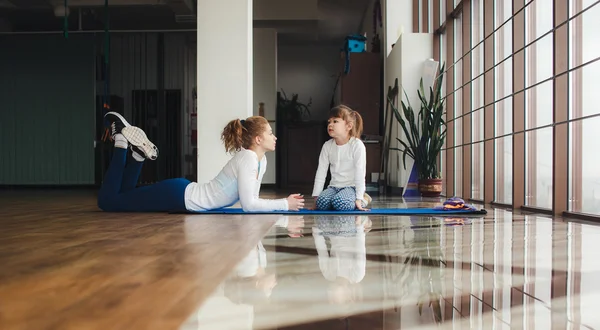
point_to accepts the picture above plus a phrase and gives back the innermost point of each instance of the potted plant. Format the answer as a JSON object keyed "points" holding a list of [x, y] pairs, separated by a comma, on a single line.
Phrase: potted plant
{"points": [[292, 110], [425, 134]]}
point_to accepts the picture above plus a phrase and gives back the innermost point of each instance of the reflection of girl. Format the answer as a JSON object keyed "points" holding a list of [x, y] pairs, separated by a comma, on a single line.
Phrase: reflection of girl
{"points": [[344, 264]]}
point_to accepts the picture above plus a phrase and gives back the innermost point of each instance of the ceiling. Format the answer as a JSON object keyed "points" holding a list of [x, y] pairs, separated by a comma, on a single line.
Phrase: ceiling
{"points": [[336, 18], [48, 15]]}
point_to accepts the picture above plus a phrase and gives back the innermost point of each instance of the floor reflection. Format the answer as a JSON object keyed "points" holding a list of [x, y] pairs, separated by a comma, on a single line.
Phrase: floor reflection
{"points": [[382, 272]]}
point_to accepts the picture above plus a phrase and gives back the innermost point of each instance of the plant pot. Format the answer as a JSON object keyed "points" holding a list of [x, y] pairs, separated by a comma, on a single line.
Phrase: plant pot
{"points": [[430, 187]]}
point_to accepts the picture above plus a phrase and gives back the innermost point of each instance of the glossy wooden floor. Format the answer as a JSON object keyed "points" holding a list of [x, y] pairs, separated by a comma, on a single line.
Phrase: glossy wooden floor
{"points": [[66, 265]]}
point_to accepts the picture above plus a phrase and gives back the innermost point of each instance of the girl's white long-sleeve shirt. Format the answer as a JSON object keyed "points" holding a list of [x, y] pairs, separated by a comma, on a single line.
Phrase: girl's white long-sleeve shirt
{"points": [[346, 258], [239, 180], [347, 163]]}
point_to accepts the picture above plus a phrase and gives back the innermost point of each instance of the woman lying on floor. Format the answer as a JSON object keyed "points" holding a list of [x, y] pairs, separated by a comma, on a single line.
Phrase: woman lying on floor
{"points": [[239, 180]]}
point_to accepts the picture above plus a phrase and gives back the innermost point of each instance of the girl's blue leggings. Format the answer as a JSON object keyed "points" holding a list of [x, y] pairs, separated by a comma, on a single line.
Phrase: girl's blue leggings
{"points": [[340, 199], [119, 193]]}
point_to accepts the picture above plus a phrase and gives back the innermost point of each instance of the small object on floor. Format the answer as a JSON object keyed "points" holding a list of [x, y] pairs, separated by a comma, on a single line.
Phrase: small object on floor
{"points": [[455, 203], [386, 211]]}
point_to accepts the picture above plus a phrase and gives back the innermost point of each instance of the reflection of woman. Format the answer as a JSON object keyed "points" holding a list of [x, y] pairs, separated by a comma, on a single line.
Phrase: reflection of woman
{"points": [[249, 282], [293, 224], [344, 263]]}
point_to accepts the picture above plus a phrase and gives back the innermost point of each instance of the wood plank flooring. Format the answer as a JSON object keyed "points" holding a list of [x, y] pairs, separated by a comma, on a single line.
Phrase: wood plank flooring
{"points": [[67, 265], [64, 264]]}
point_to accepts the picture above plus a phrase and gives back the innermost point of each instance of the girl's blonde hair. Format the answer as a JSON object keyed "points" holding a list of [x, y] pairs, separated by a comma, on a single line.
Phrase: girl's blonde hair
{"points": [[240, 134], [346, 113]]}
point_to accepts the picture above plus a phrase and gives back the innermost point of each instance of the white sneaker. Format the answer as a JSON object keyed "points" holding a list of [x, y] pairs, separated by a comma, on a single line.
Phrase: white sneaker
{"points": [[138, 141]]}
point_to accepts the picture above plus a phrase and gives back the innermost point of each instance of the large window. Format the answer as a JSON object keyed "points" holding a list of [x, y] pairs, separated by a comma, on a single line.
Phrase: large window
{"points": [[517, 64], [538, 103], [584, 157]]}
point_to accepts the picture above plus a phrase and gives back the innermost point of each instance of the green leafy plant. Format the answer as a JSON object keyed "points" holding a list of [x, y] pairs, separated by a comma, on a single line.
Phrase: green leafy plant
{"points": [[292, 110], [425, 131]]}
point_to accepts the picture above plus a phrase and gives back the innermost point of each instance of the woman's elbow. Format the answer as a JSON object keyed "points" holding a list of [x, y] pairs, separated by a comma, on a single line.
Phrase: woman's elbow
{"points": [[249, 207]]}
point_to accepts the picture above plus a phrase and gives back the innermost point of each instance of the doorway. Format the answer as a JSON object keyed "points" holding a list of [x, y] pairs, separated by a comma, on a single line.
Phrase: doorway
{"points": [[159, 114]]}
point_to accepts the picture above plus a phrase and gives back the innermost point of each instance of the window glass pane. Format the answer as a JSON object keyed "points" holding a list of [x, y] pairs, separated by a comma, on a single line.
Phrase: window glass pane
{"points": [[430, 15], [477, 99], [503, 106], [458, 108], [584, 176], [538, 103], [443, 12]]}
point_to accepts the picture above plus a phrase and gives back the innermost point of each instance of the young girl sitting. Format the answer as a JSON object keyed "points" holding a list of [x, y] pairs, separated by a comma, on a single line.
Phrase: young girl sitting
{"points": [[345, 155], [239, 180]]}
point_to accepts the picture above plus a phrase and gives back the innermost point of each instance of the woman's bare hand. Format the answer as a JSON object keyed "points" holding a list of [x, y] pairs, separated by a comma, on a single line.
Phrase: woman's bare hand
{"points": [[295, 202]]}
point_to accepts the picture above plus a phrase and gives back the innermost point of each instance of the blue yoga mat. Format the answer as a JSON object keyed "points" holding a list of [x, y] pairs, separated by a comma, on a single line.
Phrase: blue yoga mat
{"points": [[402, 211]]}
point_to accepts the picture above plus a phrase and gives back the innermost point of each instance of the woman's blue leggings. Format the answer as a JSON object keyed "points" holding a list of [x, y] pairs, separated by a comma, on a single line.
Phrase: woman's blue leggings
{"points": [[119, 193]]}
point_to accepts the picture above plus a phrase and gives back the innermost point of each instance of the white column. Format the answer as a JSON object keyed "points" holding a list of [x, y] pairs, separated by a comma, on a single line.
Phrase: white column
{"points": [[224, 76]]}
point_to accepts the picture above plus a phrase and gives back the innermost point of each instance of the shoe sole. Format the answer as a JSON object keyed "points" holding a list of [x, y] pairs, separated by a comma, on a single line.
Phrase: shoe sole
{"points": [[138, 138]]}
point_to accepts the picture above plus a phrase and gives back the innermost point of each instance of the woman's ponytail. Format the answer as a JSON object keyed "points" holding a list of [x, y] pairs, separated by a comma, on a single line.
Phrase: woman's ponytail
{"points": [[232, 135], [240, 134]]}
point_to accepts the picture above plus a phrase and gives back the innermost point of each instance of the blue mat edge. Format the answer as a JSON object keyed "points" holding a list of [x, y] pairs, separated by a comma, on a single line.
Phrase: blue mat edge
{"points": [[408, 211]]}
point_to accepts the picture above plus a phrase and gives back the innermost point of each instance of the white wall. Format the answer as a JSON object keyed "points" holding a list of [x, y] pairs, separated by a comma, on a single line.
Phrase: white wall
{"points": [[265, 85], [398, 19], [405, 62], [311, 72]]}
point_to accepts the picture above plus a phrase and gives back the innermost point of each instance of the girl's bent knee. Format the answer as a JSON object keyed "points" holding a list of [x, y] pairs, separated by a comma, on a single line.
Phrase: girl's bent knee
{"points": [[322, 203], [344, 205]]}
